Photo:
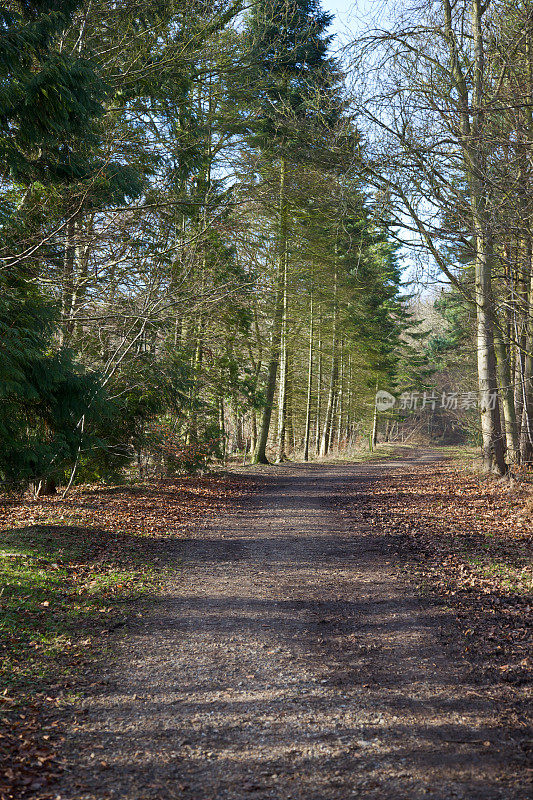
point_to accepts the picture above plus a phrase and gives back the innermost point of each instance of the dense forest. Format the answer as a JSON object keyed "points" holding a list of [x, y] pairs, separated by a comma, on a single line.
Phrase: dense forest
{"points": [[205, 210], [266, 399]]}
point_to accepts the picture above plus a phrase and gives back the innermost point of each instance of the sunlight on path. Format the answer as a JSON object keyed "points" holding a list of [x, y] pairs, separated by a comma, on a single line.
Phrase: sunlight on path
{"points": [[288, 661]]}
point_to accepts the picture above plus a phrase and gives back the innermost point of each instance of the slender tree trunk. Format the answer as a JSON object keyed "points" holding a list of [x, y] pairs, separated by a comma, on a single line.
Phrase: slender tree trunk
{"points": [[326, 433], [318, 418], [375, 421], [256, 364], [520, 313], [46, 487], [192, 431], [283, 376], [237, 425], [348, 428], [493, 443], [507, 395], [253, 443], [270, 389], [81, 266], [471, 120], [282, 407], [309, 384], [334, 414], [68, 283], [289, 424], [222, 426], [178, 271], [340, 409], [526, 433]]}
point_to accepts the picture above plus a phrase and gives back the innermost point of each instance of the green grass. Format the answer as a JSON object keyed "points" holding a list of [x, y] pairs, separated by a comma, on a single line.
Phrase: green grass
{"points": [[463, 455], [381, 452], [514, 578], [60, 587]]}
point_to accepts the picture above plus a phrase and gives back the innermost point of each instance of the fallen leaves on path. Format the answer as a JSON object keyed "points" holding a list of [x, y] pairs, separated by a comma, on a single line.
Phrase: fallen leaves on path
{"points": [[473, 543], [70, 568], [28, 764], [163, 508]]}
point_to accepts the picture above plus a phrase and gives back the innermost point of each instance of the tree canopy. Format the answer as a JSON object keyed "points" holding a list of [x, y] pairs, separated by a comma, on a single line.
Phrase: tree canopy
{"points": [[200, 222]]}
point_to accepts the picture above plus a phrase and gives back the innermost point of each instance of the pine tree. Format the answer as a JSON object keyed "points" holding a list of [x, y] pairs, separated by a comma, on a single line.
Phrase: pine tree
{"points": [[292, 102], [50, 97], [49, 102]]}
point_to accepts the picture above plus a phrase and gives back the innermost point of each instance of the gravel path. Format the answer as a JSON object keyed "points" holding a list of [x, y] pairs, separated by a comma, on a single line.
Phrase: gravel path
{"points": [[288, 660]]}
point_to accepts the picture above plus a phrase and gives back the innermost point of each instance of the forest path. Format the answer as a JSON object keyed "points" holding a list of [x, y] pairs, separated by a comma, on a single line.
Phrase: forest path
{"points": [[289, 660]]}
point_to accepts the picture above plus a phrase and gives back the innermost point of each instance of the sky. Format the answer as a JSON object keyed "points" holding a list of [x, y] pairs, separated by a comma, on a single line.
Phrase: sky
{"points": [[352, 16]]}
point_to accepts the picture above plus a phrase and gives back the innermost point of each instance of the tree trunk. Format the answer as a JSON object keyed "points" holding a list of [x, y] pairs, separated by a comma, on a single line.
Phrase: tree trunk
{"points": [[520, 313], [326, 433], [282, 409], [493, 443], [222, 426], [340, 409], [507, 395], [318, 419], [253, 443], [270, 389], [348, 429], [375, 421], [289, 425], [283, 376], [309, 384], [526, 432], [46, 487], [471, 136], [237, 426], [192, 430], [68, 283]]}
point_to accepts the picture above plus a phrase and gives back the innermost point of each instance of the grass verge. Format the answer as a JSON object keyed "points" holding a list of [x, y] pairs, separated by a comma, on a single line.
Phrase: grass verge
{"points": [[72, 571]]}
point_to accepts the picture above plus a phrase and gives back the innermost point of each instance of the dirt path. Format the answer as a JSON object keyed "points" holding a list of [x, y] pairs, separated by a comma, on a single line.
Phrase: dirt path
{"points": [[288, 660]]}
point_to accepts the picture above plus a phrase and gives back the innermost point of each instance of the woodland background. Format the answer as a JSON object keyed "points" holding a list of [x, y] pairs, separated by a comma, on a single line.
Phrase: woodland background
{"points": [[204, 212]]}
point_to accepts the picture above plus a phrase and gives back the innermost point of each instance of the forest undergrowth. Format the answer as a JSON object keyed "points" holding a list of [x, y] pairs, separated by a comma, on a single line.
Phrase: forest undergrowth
{"points": [[470, 543], [73, 571]]}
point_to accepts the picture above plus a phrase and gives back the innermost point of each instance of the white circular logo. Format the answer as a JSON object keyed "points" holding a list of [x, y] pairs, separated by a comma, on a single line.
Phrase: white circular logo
{"points": [[384, 400]]}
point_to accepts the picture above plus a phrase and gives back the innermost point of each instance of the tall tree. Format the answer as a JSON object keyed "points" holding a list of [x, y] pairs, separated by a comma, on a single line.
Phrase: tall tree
{"points": [[49, 105], [290, 102], [441, 156]]}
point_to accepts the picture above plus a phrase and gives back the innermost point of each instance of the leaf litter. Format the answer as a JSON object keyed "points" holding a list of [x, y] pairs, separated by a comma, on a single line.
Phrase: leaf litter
{"points": [[69, 568], [471, 538]]}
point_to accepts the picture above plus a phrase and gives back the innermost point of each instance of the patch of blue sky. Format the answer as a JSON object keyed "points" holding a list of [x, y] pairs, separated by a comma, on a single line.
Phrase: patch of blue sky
{"points": [[352, 19]]}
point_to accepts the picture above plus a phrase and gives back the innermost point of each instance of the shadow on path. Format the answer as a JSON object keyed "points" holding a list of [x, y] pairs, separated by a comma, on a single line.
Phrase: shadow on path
{"points": [[288, 660]]}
